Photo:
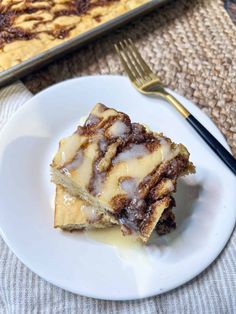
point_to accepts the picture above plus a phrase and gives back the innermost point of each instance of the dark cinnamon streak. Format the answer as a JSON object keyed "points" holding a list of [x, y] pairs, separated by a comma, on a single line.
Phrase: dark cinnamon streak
{"points": [[133, 213], [8, 14]]}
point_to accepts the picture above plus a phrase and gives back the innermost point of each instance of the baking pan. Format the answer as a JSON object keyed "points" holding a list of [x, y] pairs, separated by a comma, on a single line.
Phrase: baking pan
{"points": [[70, 45]]}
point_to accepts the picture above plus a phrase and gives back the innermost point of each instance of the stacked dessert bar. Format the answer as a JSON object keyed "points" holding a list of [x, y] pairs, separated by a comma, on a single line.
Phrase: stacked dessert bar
{"points": [[112, 171]]}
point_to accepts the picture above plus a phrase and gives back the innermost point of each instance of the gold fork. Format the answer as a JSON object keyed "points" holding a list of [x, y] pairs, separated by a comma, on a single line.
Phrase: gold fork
{"points": [[146, 82]]}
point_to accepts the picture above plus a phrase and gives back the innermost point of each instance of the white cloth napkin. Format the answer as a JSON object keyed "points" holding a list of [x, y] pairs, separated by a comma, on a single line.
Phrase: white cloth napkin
{"points": [[21, 291], [11, 98]]}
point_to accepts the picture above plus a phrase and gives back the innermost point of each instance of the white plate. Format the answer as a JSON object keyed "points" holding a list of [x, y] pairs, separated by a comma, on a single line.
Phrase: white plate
{"points": [[205, 201]]}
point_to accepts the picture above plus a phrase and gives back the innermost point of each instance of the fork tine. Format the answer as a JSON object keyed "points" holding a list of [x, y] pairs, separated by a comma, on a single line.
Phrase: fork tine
{"points": [[139, 58], [127, 63], [131, 62], [127, 69]]}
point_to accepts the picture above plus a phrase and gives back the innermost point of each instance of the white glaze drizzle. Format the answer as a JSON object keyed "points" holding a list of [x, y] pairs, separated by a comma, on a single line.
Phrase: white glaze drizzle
{"points": [[130, 187], [68, 199], [89, 212], [118, 129], [135, 151]]}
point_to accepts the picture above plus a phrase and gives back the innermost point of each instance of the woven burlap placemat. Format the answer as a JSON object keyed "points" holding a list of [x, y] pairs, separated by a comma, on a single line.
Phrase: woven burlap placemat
{"points": [[190, 44]]}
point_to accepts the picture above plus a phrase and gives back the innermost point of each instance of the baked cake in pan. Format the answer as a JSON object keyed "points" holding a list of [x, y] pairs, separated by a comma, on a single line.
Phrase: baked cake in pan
{"points": [[123, 170], [30, 27]]}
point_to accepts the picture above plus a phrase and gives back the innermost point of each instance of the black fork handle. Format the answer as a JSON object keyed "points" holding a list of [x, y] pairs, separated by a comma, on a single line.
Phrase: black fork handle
{"points": [[215, 145]]}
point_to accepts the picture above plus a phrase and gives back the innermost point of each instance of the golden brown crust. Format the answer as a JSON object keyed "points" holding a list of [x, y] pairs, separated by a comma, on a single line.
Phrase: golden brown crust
{"points": [[156, 211]]}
